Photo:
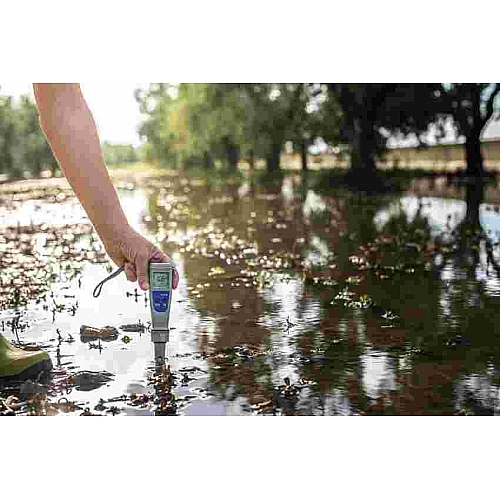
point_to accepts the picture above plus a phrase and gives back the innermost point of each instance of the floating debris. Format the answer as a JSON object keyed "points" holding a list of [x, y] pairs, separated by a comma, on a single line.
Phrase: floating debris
{"points": [[289, 324], [163, 382], [389, 316], [216, 271], [133, 327], [93, 345], [105, 333], [101, 405], [114, 410], [88, 380], [140, 399], [88, 413], [9, 406], [264, 407], [64, 405]]}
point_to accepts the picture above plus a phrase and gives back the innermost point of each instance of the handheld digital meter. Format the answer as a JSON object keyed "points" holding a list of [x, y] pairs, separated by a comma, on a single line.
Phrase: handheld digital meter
{"points": [[161, 275]]}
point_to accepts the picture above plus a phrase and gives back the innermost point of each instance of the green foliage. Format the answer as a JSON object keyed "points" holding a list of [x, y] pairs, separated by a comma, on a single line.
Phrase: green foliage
{"points": [[158, 106], [119, 153], [8, 161], [366, 115], [207, 124], [23, 148], [279, 112], [203, 124], [191, 124]]}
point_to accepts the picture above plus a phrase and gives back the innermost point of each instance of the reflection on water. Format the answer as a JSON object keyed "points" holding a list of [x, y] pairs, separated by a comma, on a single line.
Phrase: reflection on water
{"points": [[292, 300]]}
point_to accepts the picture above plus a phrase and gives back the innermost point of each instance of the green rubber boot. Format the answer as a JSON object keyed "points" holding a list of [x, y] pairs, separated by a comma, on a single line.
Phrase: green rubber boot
{"points": [[19, 364]]}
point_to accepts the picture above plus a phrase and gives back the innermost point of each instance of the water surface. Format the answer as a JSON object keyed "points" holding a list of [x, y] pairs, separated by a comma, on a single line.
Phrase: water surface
{"points": [[293, 298]]}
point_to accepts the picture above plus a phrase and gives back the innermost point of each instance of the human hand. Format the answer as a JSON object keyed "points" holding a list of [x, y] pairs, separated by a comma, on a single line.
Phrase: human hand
{"points": [[132, 251]]}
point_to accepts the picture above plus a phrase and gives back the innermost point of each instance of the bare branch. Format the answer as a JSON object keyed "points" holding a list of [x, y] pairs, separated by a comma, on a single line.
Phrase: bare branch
{"points": [[491, 101]]}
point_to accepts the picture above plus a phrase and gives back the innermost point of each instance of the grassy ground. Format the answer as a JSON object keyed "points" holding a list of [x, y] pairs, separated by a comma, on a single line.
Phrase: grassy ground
{"points": [[387, 178]]}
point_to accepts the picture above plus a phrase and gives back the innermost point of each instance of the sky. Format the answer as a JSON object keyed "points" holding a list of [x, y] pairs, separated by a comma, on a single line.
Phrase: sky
{"points": [[113, 105]]}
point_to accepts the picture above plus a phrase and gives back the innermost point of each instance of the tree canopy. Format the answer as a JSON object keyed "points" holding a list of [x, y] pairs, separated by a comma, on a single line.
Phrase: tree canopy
{"points": [[225, 121], [469, 107], [23, 148]]}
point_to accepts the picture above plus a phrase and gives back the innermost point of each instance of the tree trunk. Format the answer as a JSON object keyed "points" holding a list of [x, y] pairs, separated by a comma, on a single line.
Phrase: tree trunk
{"points": [[251, 160], [474, 156], [474, 196], [363, 148], [207, 161], [273, 158], [303, 153], [232, 155]]}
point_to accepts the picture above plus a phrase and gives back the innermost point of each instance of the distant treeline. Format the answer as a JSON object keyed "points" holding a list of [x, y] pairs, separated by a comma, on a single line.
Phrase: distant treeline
{"points": [[209, 124], [120, 153], [24, 151], [220, 124]]}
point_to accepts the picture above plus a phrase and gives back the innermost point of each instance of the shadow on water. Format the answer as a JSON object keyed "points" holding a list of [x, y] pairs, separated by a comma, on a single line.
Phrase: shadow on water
{"points": [[295, 298]]}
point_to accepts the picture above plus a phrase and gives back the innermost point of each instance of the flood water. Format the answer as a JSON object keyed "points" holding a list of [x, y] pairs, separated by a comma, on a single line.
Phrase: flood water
{"points": [[293, 299]]}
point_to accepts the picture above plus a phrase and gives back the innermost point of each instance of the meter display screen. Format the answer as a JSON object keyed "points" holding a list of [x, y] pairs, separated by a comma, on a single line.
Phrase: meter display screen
{"points": [[161, 281]]}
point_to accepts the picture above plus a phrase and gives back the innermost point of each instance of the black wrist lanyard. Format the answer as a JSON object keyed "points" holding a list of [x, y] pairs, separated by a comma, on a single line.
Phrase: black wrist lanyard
{"points": [[98, 288]]}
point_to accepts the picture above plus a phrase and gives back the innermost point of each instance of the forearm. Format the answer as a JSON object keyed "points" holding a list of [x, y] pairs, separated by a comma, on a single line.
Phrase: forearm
{"points": [[71, 132]]}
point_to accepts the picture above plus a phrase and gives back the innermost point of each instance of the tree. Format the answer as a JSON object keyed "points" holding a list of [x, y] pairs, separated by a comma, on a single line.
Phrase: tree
{"points": [[280, 112], [361, 105], [192, 123], [155, 104], [35, 152], [306, 123], [366, 115], [23, 147], [217, 121], [8, 138], [471, 106], [119, 153]]}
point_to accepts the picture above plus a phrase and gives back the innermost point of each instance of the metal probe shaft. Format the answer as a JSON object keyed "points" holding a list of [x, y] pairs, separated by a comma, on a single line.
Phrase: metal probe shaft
{"points": [[159, 339]]}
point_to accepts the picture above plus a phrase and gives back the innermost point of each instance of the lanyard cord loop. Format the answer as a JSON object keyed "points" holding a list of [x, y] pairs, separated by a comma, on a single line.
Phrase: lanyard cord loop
{"points": [[98, 288]]}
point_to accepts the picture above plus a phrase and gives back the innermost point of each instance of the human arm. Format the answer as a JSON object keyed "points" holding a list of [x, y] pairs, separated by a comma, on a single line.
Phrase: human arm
{"points": [[69, 127]]}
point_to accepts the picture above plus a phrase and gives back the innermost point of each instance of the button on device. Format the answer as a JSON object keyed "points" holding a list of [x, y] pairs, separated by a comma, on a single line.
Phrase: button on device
{"points": [[160, 300]]}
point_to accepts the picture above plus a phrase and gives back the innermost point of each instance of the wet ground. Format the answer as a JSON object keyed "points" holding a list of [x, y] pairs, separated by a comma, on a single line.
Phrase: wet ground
{"points": [[294, 298]]}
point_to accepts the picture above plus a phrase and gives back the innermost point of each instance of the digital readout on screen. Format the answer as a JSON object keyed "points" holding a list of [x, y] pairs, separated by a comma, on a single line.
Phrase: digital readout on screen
{"points": [[161, 281]]}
